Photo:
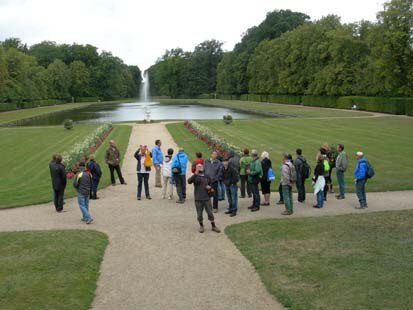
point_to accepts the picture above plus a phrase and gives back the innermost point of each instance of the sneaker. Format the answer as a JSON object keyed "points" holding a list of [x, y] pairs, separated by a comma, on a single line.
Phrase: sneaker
{"points": [[215, 210], [148, 197], [250, 207], [280, 202], [338, 197], [180, 201], [228, 212], [89, 221], [255, 209], [201, 229], [139, 198], [265, 204], [233, 214], [169, 198], [286, 213], [216, 229]]}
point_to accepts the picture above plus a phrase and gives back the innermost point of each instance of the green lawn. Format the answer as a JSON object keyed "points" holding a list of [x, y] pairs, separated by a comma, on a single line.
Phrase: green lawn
{"points": [[284, 109], [342, 262], [49, 269], [27, 152], [386, 141]]}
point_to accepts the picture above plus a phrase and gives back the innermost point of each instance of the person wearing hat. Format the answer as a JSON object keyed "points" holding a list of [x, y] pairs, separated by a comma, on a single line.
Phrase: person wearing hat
{"points": [[360, 180], [83, 184], [254, 177], [202, 188]]}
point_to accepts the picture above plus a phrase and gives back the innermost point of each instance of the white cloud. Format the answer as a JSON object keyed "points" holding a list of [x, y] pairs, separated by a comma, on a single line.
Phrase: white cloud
{"points": [[140, 31]]}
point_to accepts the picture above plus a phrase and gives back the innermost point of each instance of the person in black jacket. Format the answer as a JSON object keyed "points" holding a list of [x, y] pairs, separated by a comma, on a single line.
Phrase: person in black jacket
{"points": [[265, 184], [83, 184], [231, 176], [202, 186], [58, 175], [143, 169], [94, 169]]}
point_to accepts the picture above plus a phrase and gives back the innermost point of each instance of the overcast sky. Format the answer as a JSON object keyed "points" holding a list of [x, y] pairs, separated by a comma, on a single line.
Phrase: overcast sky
{"points": [[140, 31]]}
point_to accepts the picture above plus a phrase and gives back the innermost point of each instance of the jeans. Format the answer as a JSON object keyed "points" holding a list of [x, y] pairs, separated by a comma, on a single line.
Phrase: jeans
{"points": [[143, 178], [361, 192], [341, 184], [301, 189], [256, 198], [58, 198], [288, 197], [180, 181], [200, 206], [167, 187], [83, 201], [112, 174], [232, 196], [158, 176], [244, 183], [221, 190], [320, 199], [215, 186]]}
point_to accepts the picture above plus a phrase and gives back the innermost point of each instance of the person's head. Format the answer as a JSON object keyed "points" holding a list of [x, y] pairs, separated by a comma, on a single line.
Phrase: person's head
{"points": [[340, 147], [290, 157], [144, 147], [58, 158], [254, 154], [246, 151], [214, 155], [323, 151], [181, 150], [82, 165], [265, 155], [325, 146], [286, 157], [158, 142], [198, 155], [299, 152], [226, 162], [170, 152], [359, 155], [54, 157], [112, 143], [92, 157], [199, 168]]}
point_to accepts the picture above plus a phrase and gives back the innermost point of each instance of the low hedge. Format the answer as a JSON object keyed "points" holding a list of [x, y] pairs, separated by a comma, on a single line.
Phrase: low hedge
{"points": [[207, 96], [284, 99], [87, 99], [320, 101], [8, 106], [377, 104]]}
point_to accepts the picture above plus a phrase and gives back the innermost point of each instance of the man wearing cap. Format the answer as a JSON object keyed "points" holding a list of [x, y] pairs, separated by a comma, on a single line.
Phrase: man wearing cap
{"points": [[360, 179]]}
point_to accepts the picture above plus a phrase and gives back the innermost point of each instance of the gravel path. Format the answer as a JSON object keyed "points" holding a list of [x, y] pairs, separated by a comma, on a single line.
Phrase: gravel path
{"points": [[156, 259]]}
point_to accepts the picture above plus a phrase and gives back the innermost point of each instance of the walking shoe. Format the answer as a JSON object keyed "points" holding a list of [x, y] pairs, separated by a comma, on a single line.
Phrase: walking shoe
{"points": [[228, 212], [180, 201], [89, 221], [280, 202], [124, 183], [201, 229], [233, 214], [250, 207], [139, 198], [169, 198], [316, 207], [286, 213], [360, 207], [265, 204], [338, 197], [216, 229], [215, 210], [148, 197], [255, 209]]}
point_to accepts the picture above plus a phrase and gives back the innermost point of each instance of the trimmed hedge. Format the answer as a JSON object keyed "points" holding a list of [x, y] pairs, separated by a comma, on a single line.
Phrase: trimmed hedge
{"points": [[87, 99], [376, 104], [284, 99], [320, 101], [8, 107], [207, 96]]}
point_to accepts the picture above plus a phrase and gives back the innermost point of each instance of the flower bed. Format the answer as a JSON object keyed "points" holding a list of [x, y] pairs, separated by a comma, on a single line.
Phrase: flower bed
{"points": [[89, 145], [213, 141]]}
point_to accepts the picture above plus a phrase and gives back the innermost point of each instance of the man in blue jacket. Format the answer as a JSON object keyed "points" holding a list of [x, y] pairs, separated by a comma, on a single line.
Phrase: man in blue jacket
{"points": [[157, 158], [360, 178], [178, 168]]}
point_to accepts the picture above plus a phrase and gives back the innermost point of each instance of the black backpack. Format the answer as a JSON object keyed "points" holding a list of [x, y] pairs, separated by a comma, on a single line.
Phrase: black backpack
{"points": [[305, 169]]}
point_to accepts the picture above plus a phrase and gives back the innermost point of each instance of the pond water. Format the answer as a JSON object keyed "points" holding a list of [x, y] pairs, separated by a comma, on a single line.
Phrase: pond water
{"points": [[128, 112]]}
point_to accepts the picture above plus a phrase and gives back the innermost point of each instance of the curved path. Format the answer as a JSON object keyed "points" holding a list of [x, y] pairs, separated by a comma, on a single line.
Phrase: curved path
{"points": [[156, 259]]}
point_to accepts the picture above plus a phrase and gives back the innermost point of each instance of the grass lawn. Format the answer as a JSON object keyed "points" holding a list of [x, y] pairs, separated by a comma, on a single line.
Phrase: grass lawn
{"points": [[284, 109], [386, 141], [342, 262], [49, 269], [11, 116], [26, 155]]}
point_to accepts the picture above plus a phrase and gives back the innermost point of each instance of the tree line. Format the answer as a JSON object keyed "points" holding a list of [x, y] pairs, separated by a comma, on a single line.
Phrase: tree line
{"points": [[287, 54], [61, 71]]}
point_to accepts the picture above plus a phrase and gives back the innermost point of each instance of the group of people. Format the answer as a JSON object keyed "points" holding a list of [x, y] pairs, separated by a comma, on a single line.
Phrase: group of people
{"points": [[218, 176]]}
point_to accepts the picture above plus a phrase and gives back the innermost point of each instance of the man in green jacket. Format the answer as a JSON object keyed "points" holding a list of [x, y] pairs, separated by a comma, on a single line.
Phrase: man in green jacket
{"points": [[341, 167], [245, 163], [254, 178]]}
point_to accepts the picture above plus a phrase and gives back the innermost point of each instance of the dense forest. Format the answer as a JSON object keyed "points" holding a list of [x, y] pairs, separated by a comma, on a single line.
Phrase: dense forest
{"points": [[46, 71], [287, 54]]}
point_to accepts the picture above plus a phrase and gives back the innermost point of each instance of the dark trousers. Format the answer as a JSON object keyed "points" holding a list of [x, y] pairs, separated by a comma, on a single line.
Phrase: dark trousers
{"points": [[112, 174], [180, 181], [245, 184], [215, 197], [301, 189], [361, 192], [95, 184], [327, 186], [200, 206], [143, 178], [58, 198], [280, 191], [256, 199]]}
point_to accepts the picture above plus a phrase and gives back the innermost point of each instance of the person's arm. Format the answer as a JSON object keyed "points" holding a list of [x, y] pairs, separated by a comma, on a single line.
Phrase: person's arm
{"points": [[361, 171], [137, 155]]}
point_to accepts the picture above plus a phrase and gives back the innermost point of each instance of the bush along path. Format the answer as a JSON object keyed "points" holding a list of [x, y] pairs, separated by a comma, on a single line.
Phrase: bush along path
{"points": [[156, 259]]}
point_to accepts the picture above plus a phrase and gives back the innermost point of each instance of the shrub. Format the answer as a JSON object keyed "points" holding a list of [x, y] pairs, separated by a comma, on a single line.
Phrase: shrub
{"points": [[284, 99], [320, 101], [227, 119], [254, 97], [206, 96], [8, 106], [87, 99], [68, 124]]}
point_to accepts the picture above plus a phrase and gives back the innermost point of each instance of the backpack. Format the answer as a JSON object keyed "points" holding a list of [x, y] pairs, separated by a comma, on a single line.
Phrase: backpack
{"points": [[306, 169], [326, 166], [370, 171], [293, 173], [148, 160], [271, 175]]}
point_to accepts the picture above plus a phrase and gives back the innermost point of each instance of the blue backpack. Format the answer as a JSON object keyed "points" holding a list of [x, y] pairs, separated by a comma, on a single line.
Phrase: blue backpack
{"points": [[271, 175]]}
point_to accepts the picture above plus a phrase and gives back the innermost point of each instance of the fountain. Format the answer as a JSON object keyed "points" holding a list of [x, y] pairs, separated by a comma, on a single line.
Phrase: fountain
{"points": [[144, 96]]}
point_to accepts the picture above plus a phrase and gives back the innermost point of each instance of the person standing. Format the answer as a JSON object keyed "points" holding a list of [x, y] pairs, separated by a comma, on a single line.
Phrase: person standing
{"points": [[202, 186], [157, 157], [198, 161], [143, 168], [234, 161], [83, 184], [230, 176], [112, 159], [167, 185], [286, 184], [319, 182], [58, 175], [360, 178], [254, 178], [341, 167], [221, 186], [245, 163], [213, 169], [96, 173], [301, 166], [265, 183], [178, 166]]}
